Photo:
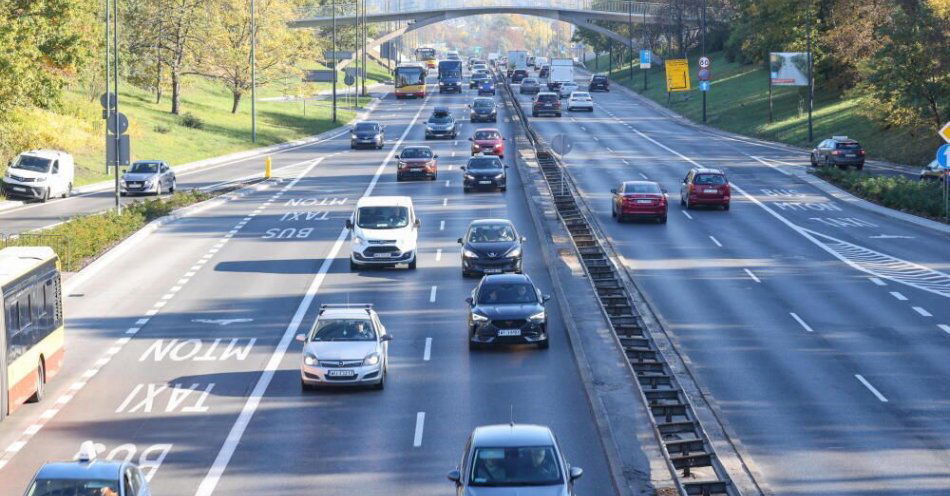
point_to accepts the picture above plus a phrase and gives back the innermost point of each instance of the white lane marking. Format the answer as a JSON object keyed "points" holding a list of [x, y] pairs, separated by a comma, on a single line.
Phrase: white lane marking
{"points": [[48, 414], [899, 296], [453, 154], [754, 278], [450, 166], [583, 128], [609, 149], [445, 202], [438, 254], [432, 294], [420, 424], [877, 281], [595, 138], [441, 225], [447, 182], [133, 330], [871, 388], [801, 322], [141, 322], [944, 327], [33, 429], [160, 304], [427, 354], [922, 312], [714, 240], [690, 217], [151, 312], [643, 175], [625, 161], [221, 461], [763, 162], [17, 446]]}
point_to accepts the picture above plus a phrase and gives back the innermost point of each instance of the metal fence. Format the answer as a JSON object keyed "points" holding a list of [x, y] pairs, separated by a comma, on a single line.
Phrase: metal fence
{"points": [[344, 9], [59, 243]]}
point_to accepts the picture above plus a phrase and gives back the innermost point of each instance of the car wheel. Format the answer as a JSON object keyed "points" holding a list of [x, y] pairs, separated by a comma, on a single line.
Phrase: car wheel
{"points": [[122, 193], [814, 163], [171, 189], [687, 204], [412, 264], [306, 387], [473, 346], [545, 344], [859, 167], [45, 197], [466, 190], [557, 114], [613, 211], [534, 114], [662, 220], [382, 382], [503, 189], [353, 266], [725, 207], [434, 177], [69, 190], [398, 178], [40, 384]]}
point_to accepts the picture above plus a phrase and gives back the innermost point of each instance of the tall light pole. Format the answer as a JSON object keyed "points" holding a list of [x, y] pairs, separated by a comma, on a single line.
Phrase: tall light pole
{"points": [[811, 81], [333, 57], [704, 54], [253, 76], [365, 37], [630, 32]]}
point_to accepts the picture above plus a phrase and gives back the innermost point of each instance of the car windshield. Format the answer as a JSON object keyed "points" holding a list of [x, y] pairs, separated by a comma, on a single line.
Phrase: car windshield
{"points": [[529, 81], [31, 163], [580, 94], [483, 104], [487, 163], [366, 127], [441, 119], [504, 467], [74, 487], [547, 98], [848, 146], [144, 168], [487, 135], [712, 179], [344, 330], [417, 153], [507, 293], [491, 233], [641, 188], [383, 217]]}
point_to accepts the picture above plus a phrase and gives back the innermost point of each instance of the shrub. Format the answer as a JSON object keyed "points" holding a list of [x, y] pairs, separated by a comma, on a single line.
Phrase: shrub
{"points": [[161, 129], [192, 121], [924, 198]]}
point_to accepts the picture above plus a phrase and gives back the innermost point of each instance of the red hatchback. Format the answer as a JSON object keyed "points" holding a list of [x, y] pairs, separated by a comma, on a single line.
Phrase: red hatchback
{"points": [[705, 187], [488, 141], [417, 162], [643, 199]]}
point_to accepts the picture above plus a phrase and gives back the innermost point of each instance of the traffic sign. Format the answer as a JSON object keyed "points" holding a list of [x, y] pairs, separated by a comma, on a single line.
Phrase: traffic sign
{"points": [[646, 57], [562, 144], [107, 100], [704, 75], [945, 132], [124, 150], [319, 76], [943, 156], [353, 71], [118, 123], [677, 75], [349, 79], [703, 62], [704, 86], [337, 55]]}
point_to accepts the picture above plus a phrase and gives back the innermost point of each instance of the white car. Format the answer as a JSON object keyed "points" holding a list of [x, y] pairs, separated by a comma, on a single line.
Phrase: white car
{"points": [[566, 89], [39, 175], [347, 346], [580, 100], [384, 231]]}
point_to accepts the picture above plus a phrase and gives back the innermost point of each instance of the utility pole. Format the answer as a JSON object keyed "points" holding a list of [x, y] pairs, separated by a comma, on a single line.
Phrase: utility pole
{"points": [[811, 80], [253, 75], [365, 41], [643, 46], [333, 56], [630, 32], [704, 54], [115, 89]]}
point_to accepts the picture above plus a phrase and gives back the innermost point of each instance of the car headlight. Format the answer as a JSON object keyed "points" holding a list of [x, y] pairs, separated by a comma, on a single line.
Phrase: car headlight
{"points": [[515, 252], [500, 176], [469, 253], [309, 359], [478, 317], [149, 182], [538, 317], [469, 176], [371, 359], [359, 240], [352, 136]]}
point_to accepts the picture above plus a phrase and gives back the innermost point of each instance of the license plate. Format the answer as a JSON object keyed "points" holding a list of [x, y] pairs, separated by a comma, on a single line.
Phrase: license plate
{"points": [[645, 202], [341, 373], [494, 271], [484, 182], [850, 155], [380, 255], [17, 188], [509, 332], [548, 105], [710, 191]]}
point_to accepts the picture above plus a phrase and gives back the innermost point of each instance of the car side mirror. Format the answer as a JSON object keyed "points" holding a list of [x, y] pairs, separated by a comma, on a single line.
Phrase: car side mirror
{"points": [[470, 300], [613, 190], [545, 298], [576, 473], [462, 168], [459, 241], [455, 476], [435, 156], [301, 337], [507, 166], [349, 223], [470, 139], [386, 338], [417, 223], [503, 139]]}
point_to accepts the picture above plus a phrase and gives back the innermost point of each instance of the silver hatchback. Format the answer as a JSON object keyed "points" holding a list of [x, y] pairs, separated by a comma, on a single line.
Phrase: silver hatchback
{"points": [[148, 176], [347, 346]]}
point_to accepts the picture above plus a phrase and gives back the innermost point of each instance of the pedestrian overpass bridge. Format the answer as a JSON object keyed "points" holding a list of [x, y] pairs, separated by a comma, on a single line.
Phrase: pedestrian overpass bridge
{"points": [[416, 14]]}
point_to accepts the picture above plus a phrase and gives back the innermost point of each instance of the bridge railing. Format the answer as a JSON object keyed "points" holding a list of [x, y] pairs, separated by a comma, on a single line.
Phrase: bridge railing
{"points": [[344, 9]]}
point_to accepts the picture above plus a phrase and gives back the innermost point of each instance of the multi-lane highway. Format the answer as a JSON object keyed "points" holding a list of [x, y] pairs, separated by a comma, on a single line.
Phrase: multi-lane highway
{"points": [[180, 355], [820, 330]]}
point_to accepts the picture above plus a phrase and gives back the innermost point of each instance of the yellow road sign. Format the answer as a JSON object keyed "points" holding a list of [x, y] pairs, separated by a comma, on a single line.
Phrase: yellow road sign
{"points": [[945, 132], [677, 75]]}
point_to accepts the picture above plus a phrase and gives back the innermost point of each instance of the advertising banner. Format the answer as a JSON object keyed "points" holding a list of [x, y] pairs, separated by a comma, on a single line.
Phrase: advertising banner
{"points": [[677, 75], [788, 68]]}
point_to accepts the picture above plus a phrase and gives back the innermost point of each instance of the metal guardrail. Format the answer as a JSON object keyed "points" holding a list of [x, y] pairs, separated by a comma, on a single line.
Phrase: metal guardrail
{"points": [[427, 6], [686, 448]]}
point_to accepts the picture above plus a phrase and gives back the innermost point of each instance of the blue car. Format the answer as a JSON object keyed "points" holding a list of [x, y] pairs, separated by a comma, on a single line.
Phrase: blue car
{"points": [[89, 476], [486, 88]]}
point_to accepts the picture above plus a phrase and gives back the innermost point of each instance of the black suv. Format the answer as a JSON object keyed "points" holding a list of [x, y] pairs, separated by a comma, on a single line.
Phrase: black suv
{"points": [[839, 151], [441, 124], [598, 82], [507, 309], [483, 110], [484, 172], [367, 133], [477, 79], [491, 246], [517, 75], [546, 103]]}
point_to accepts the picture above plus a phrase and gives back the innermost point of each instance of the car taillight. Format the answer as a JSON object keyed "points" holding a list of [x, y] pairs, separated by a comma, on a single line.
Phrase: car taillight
{"points": [[861, 152], [836, 152], [726, 190]]}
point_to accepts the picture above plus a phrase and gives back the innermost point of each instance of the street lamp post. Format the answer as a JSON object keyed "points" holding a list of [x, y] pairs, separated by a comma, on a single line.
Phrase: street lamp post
{"points": [[630, 32], [253, 76], [704, 54], [333, 56], [811, 81]]}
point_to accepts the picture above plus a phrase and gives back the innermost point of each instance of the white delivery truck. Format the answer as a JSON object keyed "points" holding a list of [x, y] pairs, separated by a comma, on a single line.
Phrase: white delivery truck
{"points": [[40, 175], [517, 59], [562, 71]]}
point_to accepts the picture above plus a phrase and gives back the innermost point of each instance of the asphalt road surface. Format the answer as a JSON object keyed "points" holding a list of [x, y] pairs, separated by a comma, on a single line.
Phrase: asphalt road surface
{"points": [[180, 355], [820, 329]]}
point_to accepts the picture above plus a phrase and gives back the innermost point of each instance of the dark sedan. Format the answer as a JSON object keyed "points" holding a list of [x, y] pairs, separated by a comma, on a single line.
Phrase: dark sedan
{"points": [[478, 78], [507, 309], [484, 172], [483, 110], [367, 133], [491, 246]]}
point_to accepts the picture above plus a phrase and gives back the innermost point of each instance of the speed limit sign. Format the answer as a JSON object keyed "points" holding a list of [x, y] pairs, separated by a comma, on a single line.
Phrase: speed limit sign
{"points": [[704, 62]]}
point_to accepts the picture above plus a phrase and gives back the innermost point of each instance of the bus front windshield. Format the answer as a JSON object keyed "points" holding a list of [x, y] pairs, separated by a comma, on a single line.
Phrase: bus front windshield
{"points": [[409, 76], [425, 53]]}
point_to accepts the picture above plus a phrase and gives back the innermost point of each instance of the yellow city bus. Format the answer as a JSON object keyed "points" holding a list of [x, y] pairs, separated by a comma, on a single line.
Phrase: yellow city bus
{"points": [[427, 55], [410, 81], [32, 335]]}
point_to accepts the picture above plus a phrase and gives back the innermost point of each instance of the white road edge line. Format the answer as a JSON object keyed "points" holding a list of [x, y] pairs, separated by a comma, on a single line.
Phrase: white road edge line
{"points": [[221, 461], [427, 354], [871, 388], [714, 240], [420, 424], [690, 217], [754, 278], [801, 322], [944, 327]]}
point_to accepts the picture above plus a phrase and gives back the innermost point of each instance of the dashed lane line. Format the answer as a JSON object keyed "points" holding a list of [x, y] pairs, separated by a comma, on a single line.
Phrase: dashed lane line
{"points": [[801, 322], [871, 388]]}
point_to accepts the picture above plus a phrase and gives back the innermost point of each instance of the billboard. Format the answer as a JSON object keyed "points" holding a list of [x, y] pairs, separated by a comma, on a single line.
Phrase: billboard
{"points": [[788, 68]]}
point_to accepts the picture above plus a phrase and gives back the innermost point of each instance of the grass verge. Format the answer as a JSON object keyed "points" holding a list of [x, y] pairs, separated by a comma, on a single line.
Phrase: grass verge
{"points": [[738, 101], [923, 198], [82, 239]]}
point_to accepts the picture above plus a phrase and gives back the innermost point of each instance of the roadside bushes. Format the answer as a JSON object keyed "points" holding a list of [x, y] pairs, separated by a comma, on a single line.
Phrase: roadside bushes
{"points": [[924, 198]]}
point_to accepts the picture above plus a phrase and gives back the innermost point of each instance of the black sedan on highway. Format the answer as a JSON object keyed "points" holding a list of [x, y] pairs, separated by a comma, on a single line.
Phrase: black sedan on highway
{"points": [[368, 134], [484, 172], [491, 246], [483, 110], [507, 309]]}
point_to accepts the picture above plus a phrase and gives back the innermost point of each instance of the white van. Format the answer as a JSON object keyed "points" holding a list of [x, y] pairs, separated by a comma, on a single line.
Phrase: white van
{"points": [[383, 230], [39, 174]]}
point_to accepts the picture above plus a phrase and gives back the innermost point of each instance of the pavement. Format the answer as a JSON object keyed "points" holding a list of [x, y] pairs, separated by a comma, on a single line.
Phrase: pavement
{"points": [[180, 353], [817, 329]]}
